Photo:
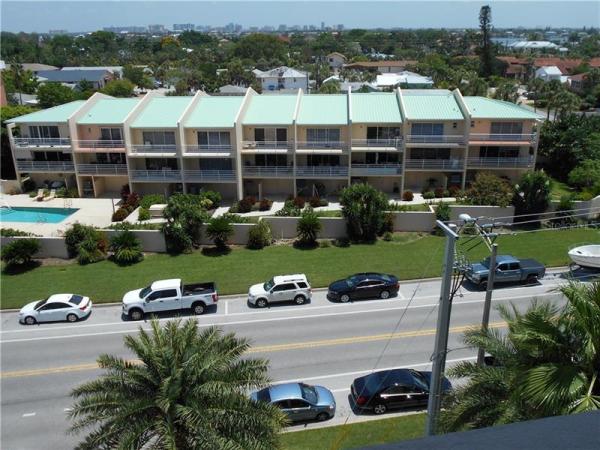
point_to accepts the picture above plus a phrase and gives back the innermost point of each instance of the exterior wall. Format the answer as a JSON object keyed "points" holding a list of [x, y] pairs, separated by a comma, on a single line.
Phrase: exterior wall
{"points": [[137, 136], [384, 184], [416, 181], [523, 151], [248, 131], [483, 211], [240, 234], [414, 221], [10, 187], [345, 134], [359, 130], [484, 126], [279, 187], [272, 83], [40, 178], [448, 126], [191, 134], [50, 247]]}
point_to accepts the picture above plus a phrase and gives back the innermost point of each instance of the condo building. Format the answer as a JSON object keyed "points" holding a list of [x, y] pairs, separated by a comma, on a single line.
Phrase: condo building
{"points": [[274, 145]]}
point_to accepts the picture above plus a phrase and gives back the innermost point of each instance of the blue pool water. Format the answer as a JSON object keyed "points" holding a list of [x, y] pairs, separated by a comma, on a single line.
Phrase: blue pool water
{"points": [[35, 215]]}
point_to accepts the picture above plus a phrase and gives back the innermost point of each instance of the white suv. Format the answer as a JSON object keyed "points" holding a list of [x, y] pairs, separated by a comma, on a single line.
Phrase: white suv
{"points": [[284, 288]]}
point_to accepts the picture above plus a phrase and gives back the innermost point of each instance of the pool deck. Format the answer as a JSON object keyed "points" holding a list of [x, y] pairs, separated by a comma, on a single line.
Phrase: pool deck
{"points": [[91, 211]]}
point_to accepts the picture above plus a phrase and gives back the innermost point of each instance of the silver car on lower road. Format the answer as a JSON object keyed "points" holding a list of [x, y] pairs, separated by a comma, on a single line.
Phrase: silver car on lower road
{"points": [[57, 307]]}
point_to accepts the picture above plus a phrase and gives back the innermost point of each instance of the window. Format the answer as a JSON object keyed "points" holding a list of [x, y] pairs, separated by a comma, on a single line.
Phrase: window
{"points": [[220, 138], [51, 156], [503, 266], [323, 134], [322, 160], [75, 299], [158, 137], [53, 306], [215, 164], [427, 129], [270, 160], [284, 287], [110, 134], [498, 152], [167, 293], [430, 153], [44, 132], [297, 403], [381, 158], [270, 134], [507, 128], [383, 132], [513, 266], [283, 404], [161, 163], [302, 285]]}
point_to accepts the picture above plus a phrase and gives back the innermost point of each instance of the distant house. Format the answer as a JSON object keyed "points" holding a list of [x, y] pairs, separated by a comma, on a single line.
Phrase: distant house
{"points": [[281, 78], [533, 46], [97, 77], [549, 73], [382, 66], [577, 83], [35, 67], [115, 70], [404, 79], [336, 60], [231, 89]]}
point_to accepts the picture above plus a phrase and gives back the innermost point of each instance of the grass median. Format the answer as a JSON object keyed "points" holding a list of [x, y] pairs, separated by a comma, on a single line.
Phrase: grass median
{"points": [[409, 256], [356, 435]]}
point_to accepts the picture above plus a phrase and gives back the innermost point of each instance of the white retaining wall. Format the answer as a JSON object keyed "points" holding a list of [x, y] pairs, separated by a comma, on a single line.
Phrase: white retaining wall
{"points": [[50, 247], [152, 240], [483, 211]]}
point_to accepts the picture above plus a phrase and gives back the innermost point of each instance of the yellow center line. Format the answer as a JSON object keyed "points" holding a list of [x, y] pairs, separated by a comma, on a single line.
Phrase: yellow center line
{"points": [[262, 349]]}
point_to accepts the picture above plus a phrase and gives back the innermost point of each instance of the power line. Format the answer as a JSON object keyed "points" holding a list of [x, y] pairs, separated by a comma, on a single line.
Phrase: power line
{"points": [[539, 220], [514, 233], [531, 214]]}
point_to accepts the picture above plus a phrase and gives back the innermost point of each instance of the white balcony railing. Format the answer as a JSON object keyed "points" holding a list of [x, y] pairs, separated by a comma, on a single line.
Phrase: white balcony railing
{"points": [[492, 137], [500, 162], [153, 148], [318, 145], [45, 166], [268, 171], [42, 142], [208, 148], [377, 143], [427, 164], [91, 145], [266, 145], [170, 175], [209, 175], [322, 171], [435, 139], [102, 169], [376, 169]]}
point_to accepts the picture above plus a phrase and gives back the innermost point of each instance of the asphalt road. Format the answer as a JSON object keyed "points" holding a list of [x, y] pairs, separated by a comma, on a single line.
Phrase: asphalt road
{"points": [[319, 342]]}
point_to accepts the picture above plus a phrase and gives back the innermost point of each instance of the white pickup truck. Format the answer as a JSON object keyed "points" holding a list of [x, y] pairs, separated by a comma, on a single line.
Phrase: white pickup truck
{"points": [[169, 295]]}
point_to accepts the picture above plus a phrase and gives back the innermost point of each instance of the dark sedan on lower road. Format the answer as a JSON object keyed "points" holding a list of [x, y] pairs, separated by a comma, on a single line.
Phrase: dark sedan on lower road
{"points": [[381, 391], [362, 286]]}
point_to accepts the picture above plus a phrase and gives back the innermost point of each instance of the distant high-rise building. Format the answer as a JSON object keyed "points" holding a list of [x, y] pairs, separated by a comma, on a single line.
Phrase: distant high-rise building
{"points": [[57, 32], [156, 28], [282, 28], [322, 25], [183, 26], [340, 27]]}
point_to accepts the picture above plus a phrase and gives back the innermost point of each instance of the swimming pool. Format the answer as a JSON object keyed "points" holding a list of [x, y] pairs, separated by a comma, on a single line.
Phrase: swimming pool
{"points": [[35, 215]]}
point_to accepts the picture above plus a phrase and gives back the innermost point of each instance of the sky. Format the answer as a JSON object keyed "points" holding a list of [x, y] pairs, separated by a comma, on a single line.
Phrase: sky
{"points": [[89, 15]]}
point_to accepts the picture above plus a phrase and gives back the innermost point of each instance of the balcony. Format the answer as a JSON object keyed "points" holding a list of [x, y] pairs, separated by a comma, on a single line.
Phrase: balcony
{"points": [[210, 150], [266, 146], [441, 139], [323, 147], [45, 166], [455, 164], [210, 175], [42, 143], [502, 139], [366, 170], [95, 145], [102, 169], [165, 175], [154, 150], [500, 163], [321, 171], [377, 144], [268, 171]]}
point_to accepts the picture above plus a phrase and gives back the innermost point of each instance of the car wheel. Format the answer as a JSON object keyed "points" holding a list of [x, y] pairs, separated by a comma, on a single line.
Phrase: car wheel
{"points": [[483, 285], [261, 303], [322, 417], [198, 309], [299, 299], [344, 298], [384, 295], [30, 320], [72, 317], [379, 408], [136, 314], [531, 279]]}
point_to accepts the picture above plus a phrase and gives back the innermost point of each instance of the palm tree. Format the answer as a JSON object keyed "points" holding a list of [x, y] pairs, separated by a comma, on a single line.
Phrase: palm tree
{"points": [[188, 391], [546, 364]]}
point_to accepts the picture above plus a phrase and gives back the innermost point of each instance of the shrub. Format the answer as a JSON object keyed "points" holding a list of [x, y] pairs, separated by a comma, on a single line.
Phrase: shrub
{"points": [[442, 211], [143, 214], [299, 202], [259, 235], [532, 193], [219, 229], [388, 223], [562, 216], [314, 202], [408, 196], [126, 248], [186, 212], [586, 174], [363, 208], [342, 242], [246, 204], [89, 252], [120, 215], [28, 185], [265, 204], [490, 190], [20, 252], [176, 238], [152, 199], [428, 195], [438, 192], [78, 233], [324, 243], [289, 210], [236, 218], [214, 197], [308, 227], [454, 191], [67, 193], [125, 192], [11, 232], [132, 202], [388, 236]]}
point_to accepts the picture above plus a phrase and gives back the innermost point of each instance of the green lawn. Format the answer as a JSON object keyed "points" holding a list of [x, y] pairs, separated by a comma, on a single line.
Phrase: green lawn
{"points": [[409, 256], [357, 435]]}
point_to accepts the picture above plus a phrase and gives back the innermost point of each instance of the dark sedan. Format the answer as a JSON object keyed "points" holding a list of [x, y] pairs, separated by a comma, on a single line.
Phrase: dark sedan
{"points": [[381, 391], [362, 286]]}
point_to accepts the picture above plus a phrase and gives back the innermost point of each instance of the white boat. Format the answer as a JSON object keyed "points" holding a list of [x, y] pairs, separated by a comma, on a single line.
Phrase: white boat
{"points": [[586, 256]]}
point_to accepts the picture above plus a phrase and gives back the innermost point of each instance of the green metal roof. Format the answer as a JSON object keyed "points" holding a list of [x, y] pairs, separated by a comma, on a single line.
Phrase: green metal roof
{"points": [[109, 111], [271, 110], [431, 104], [58, 113], [486, 108], [214, 112], [378, 107], [323, 109], [162, 112]]}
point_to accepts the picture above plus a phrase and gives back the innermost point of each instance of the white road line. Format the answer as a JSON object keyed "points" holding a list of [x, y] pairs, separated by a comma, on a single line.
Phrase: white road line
{"points": [[278, 319], [401, 295], [226, 307], [29, 414]]}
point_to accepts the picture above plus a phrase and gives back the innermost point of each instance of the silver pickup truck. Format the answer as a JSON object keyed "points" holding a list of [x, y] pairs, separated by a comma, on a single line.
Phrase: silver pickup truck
{"points": [[169, 295], [508, 270]]}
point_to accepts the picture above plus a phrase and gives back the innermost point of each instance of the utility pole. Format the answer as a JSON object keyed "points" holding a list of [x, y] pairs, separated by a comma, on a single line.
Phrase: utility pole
{"points": [[488, 300], [441, 336]]}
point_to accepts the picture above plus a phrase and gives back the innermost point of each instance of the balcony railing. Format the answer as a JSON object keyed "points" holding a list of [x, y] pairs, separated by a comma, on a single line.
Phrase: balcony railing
{"points": [[320, 145], [322, 171], [435, 139], [427, 164], [153, 148], [529, 138], [376, 169], [209, 175], [42, 142], [266, 145], [377, 143], [45, 166], [268, 171], [169, 175], [208, 148], [102, 169], [500, 162], [91, 145]]}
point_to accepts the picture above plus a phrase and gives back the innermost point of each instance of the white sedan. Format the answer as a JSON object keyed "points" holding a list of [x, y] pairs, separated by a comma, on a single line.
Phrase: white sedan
{"points": [[69, 307]]}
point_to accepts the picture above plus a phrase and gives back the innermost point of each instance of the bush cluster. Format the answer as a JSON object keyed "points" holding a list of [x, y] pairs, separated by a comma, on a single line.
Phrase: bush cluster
{"points": [[259, 235], [363, 207], [20, 252], [220, 229], [126, 248], [489, 190], [11, 232], [308, 227], [408, 196], [86, 243]]}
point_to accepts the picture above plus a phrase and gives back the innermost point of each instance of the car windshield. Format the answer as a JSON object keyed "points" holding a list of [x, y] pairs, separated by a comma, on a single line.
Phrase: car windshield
{"points": [[145, 291], [75, 299], [486, 262], [40, 303], [420, 380], [353, 280], [309, 393], [263, 395], [269, 284]]}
